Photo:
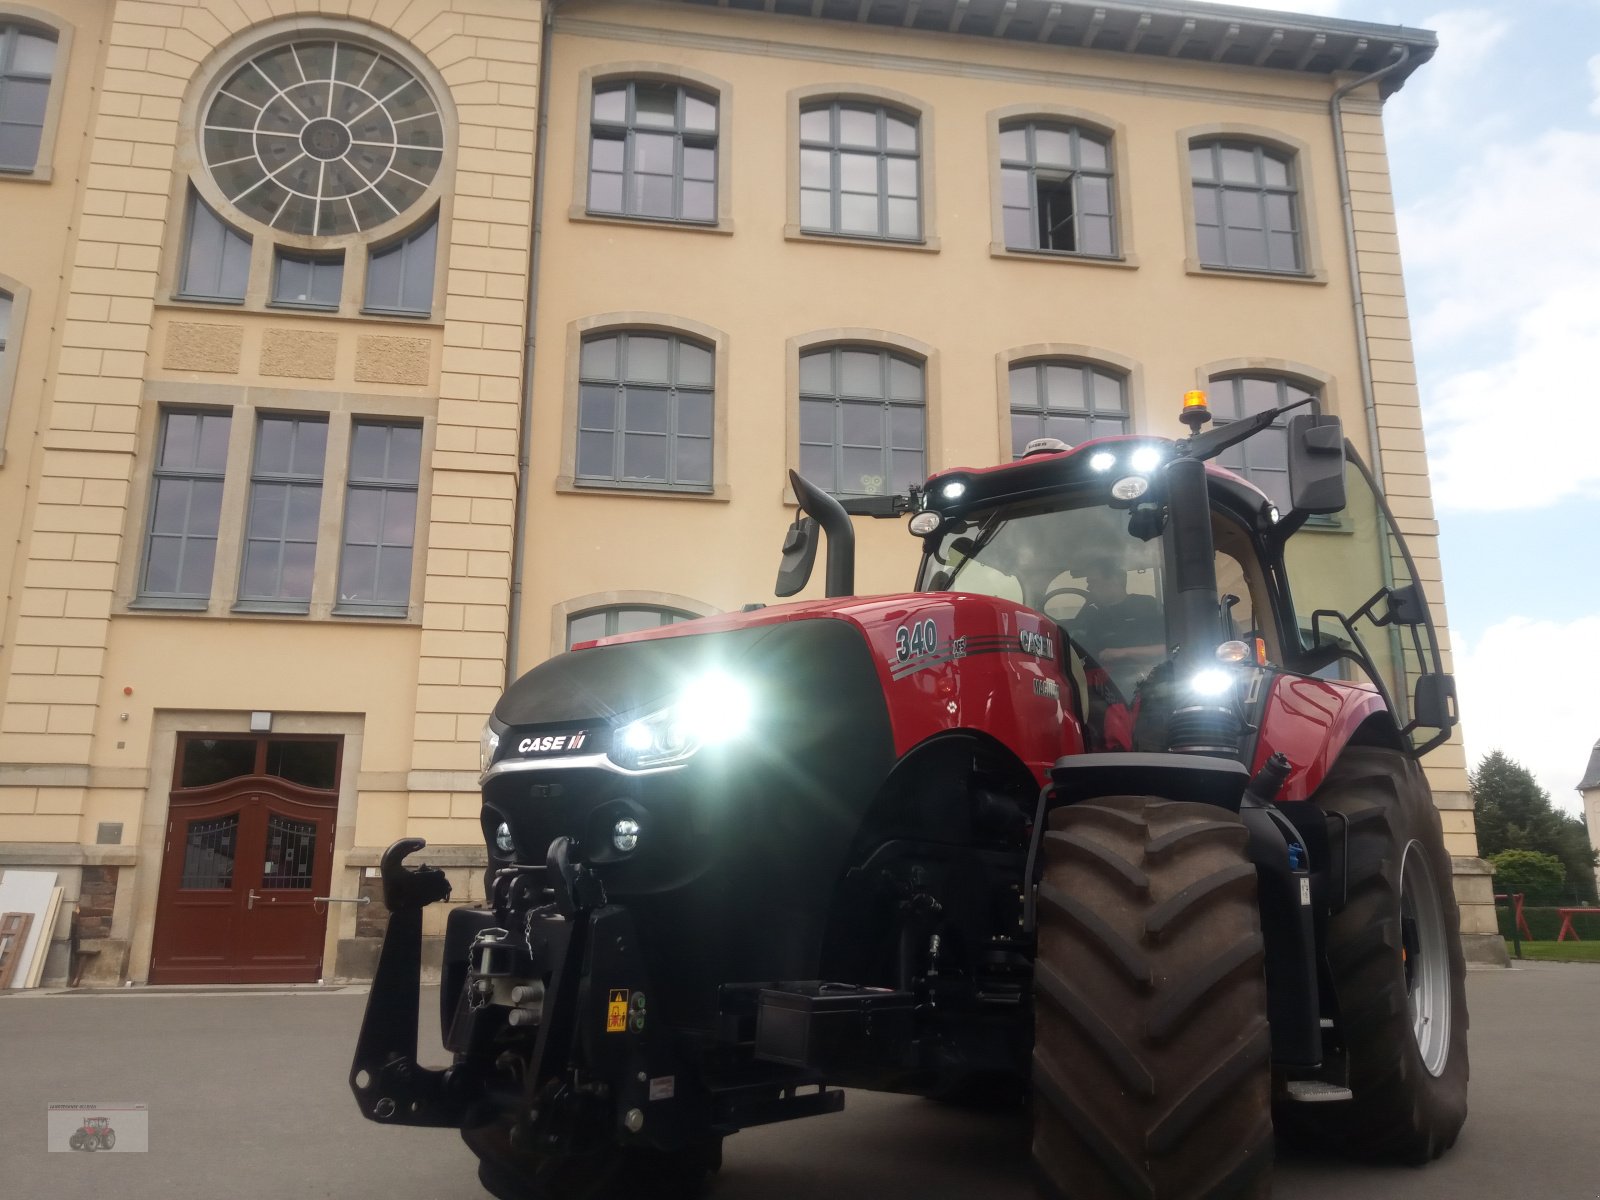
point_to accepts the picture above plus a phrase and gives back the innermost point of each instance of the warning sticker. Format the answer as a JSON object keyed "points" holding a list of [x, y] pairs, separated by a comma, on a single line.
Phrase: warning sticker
{"points": [[617, 1011]]}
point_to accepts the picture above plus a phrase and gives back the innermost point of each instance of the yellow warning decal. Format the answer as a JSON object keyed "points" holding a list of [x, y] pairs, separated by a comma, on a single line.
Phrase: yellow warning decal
{"points": [[617, 1011]]}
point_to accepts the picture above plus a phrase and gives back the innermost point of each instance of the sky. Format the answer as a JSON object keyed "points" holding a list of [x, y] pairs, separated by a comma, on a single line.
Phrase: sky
{"points": [[1494, 153]]}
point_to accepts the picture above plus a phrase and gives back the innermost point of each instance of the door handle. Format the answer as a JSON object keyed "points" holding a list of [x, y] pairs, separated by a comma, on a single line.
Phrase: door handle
{"points": [[250, 900]]}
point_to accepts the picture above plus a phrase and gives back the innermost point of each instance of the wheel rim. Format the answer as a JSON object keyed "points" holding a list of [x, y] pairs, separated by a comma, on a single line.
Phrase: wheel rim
{"points": [[1427, 954]]}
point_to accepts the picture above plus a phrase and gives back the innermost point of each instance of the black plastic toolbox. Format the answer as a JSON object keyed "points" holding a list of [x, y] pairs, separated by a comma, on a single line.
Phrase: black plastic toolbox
{"points": [[821, 1025]]}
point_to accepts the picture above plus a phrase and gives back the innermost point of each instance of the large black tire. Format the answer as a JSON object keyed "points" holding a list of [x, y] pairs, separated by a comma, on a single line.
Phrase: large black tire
{"points": [[607, 1173], [1152, 1073], [1410, 1088]]}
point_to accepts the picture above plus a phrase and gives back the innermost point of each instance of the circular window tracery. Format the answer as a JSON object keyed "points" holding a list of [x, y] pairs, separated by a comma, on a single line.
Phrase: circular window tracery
{"points": [[323, 138]]}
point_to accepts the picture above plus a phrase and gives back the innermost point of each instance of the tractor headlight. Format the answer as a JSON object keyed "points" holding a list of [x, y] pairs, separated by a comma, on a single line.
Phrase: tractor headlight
{"points": [[488, 743], [712, 709], [1213, 681]]}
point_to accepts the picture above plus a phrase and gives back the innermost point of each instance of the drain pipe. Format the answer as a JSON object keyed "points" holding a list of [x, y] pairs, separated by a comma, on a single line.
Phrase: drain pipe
{"points": [[519, 517], [1363, 350]]}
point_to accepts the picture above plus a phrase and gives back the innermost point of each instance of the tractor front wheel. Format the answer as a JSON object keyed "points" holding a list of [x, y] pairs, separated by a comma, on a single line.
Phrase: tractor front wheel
{"points": [[1399, 977], [1151, 1061]]}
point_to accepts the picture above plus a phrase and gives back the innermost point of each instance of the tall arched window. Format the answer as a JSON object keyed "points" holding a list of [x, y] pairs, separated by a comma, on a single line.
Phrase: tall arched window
{"points": [[1067, 399], [1264, 458], [860, 171], [27, 66], [1055, 184], [1246, 206], [653, 151], [608, 622], [863, 420], [645, 410]]}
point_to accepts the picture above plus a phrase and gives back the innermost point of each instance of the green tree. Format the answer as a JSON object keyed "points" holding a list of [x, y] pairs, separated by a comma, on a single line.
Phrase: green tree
{"points": [[1514, 813], [1541, 878]]}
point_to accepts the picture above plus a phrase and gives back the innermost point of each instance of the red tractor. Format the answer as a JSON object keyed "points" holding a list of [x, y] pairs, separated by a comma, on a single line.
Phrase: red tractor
{"points": [[94, 1134], [1119, 805]]}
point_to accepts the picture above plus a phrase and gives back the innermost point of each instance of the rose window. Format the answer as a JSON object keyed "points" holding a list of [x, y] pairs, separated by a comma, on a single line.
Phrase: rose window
{"points": [[323, 138]]}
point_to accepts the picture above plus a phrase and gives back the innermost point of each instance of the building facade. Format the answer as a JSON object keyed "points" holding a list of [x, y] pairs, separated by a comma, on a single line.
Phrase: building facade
{"points": [[363, 348]]}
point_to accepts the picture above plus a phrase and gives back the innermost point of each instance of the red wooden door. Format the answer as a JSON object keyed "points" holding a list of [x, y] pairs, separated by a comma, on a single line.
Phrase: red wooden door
{"points": [[245, 860]]}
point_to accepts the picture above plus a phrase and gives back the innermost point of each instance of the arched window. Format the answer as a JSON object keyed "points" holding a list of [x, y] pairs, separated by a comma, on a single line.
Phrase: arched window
{"points": [[1246, 206], [653, 151], [608, 622], [1066, 399], [860, 171], [5, 328], [863, 420], [27, 65], [1055, 185], [645, 410], [1264, 458]]}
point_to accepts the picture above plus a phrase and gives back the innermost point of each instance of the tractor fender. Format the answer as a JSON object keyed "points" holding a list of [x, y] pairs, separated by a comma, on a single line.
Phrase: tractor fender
{"points": [[1311, 721]]}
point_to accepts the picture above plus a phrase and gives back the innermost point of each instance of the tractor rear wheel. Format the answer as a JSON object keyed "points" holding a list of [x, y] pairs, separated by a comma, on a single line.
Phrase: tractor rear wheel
{"points": [[1151, 1061], [1394, 953]]}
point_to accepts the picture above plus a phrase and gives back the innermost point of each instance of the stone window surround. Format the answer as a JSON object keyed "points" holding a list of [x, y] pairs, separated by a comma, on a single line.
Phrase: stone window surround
{"points": [[245, 404], [1313, 270], [871, 339], [189, 172], [799, 98], [653, 72], [562, 610], [1131, 371], [1121, 182], [19, 293], [646, 322], [25, 14]]}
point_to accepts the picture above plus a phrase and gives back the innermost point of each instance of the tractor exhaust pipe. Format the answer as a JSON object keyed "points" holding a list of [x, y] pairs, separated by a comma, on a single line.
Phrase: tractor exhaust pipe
{"points": [[835, 522]]}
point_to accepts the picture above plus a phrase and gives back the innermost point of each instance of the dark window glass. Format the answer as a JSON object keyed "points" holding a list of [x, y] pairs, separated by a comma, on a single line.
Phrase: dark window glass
{"points": [[185, 505], [212, 760], [310, 764], [285, 502], [645, 411], [1056, 189], [653, 151], [1073, 401], [209, 848], [1246, 206], [860, 172], [380, 517], [608, 622], [1264, 458], [291, 851], [862, 421], [308, 281], [216, 256], [400, 276], [27, 62]]}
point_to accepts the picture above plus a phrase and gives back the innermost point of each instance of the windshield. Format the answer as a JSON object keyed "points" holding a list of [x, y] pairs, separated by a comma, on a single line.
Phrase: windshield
{"points": [[1078, 564]]}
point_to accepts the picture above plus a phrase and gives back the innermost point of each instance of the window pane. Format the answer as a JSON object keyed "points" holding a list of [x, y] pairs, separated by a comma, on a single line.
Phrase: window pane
{"points": [[816, 464], [1014, 145], [1202, 166], [858, 214], [647, 358], [163, 558], [858, 127], [694, 364], [586, 628], [1274, 171], [394, 576], [1094, 195], [652, 152], [1107, 393], [595, 451], [1283, 252], [646, 411], [199, 556], [699, 201], [694, 414], [605, 153], [902, 175], [860, 373], [815, 210], [598, 358], [213, 760], [814, 125], [1094, 235], [904, 218], [611, 104], [310, 764], [816, 421], [1020, 231], [1015, 187], [400, 518], [33, 55], [644, 457], [858, 172], [597, 407], [693, 460], [902, 134], [1064, 387], [1091, 153], [25, 100], [605, 192], [699, 114], [19, 145], [1052, 148], [699, 162], [905, 380], [1238, 164], [651, 196], [216, 259], [816, 373], [655, 104], [862, 472], [815, 169], [363, 515], [1024, 386], [905, 427], [861, 425]]}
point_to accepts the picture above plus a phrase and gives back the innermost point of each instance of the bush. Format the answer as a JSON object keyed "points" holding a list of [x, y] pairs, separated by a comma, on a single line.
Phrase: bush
{"points": [[1546, 924], [1542, 878]]}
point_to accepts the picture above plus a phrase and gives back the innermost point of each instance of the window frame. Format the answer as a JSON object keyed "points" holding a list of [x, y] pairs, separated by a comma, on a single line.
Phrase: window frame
{"points": [[562, 611], [1072, 175], [602, 75], [1312, 267], [352, 483], [683, 138], [402, 245], [1090, 369], [290, 479], [18, 292], [885, 401], [1281, 381], [921, 115], [612, 613], [618, 430], [145, 598], [196, 202], [317, 263], [43, 23], [1130, 369]]}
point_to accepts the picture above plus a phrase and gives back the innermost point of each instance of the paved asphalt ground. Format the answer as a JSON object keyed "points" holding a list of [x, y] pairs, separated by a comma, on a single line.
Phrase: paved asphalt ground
{"points": [[247, 1099]]}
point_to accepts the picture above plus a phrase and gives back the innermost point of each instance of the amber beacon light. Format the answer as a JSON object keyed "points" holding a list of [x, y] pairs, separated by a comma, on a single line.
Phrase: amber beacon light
{"points": [[1195, 413]]}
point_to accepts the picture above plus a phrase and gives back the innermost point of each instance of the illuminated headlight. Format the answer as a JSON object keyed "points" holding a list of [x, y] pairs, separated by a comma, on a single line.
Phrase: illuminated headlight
{"points": [[1146, 459], [625, 834], [1130, 487], [1102, 461], [712, 709], [502, 839], [925, 523], [953, 490], [1211, 682], [488, 743]]}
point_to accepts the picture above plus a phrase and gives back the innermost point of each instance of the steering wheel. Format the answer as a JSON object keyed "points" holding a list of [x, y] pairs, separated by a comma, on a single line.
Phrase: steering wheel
{"points": [[1044, 604]]}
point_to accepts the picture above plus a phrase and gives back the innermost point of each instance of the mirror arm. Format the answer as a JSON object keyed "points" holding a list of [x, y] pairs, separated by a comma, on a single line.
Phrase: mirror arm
{"points": [[1221, 437]]}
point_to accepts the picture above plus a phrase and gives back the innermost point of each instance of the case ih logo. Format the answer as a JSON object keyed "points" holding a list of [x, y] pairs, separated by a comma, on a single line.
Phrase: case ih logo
{"points": [[560, 743]]}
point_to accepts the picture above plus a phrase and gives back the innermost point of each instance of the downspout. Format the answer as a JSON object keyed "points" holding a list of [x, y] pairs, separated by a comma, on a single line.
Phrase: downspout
{"points": [[519, 518], [1369, 397]]}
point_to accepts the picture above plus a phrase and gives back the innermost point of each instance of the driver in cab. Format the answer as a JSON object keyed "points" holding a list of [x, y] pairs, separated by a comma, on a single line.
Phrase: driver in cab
{"points": [[1118, 629]]}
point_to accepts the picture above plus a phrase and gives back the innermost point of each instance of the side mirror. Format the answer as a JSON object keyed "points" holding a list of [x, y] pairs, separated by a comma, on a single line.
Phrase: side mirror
{"points": [[799, 556], [1316, 465]]}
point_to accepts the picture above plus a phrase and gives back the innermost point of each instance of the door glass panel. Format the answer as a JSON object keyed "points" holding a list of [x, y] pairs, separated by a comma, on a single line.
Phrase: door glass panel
{"points": [[208, 852], [290, 847], [211, 760], [310, 764]]}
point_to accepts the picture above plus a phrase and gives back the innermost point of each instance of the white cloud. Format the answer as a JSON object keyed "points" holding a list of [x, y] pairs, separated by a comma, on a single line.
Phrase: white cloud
{"points": [[1507, 259], [1435, 99], [1527, 688], [1594, 82]]}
